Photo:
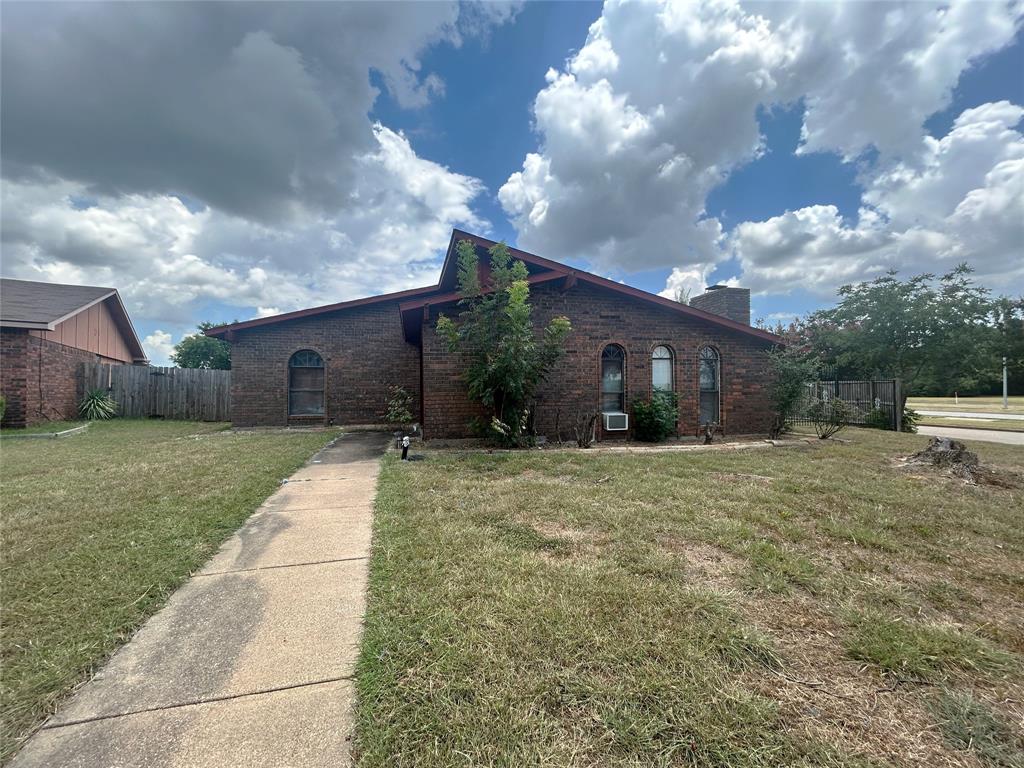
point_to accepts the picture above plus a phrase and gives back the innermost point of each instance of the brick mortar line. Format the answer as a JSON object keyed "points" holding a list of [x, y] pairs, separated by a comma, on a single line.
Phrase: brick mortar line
{"points": [[196, 703]]}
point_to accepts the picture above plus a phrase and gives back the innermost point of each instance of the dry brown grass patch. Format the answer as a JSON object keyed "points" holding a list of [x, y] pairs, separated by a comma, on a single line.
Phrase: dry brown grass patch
{"points": [[742, 477], [825, 696], [706, 563]]}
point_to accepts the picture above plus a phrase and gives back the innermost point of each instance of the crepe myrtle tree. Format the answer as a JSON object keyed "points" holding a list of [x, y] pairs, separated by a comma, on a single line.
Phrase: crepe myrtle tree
{"points": [[506, 359]]}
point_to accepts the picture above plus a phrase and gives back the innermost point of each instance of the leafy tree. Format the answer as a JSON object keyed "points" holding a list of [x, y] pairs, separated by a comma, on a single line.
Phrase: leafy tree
{"points": [[792, 368], [506, 360], [200, 351], [917, 331], [1007, 341]]}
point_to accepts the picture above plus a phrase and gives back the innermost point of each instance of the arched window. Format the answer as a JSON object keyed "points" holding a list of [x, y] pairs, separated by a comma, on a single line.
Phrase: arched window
{"points": [[661, 369], [710, 385], [305, 384], [613, 379]]}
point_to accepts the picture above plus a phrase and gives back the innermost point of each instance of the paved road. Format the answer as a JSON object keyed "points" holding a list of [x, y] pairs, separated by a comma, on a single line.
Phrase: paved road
{"points": [[250, 663], [974, 415], [984, 435]]}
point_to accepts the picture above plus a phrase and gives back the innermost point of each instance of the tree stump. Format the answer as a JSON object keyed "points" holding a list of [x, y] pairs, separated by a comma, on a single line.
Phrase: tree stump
{"points": [[951, 455]]}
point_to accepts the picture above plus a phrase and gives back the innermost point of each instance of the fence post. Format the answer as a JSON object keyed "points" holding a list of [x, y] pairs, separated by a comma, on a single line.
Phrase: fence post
{"points": [[897, 406]]}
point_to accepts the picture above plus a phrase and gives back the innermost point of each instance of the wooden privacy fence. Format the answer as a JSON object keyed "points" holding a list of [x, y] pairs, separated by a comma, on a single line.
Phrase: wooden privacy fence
{"points": [[870, 402], [142, 391]]}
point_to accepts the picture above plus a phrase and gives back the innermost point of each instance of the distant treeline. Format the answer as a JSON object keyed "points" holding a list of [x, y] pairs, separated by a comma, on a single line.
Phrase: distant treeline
{"points": [[939, 335]]}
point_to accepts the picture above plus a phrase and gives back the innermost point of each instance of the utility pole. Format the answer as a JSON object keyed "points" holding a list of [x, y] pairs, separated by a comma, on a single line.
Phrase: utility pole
{"points": [[1005, 401]]}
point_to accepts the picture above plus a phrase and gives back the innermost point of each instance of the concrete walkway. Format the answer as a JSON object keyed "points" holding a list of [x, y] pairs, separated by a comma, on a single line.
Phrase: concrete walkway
{"points": [[250, 663], [984, 435], [975, 415]]}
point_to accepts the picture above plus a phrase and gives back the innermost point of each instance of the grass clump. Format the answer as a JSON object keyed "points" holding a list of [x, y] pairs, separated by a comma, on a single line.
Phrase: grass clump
{"points": [[920, 650], [970, 726], [775, 569]]}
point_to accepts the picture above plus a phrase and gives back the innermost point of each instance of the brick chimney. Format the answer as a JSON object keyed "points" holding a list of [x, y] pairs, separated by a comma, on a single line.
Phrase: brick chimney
{"points": [[733, 303]]}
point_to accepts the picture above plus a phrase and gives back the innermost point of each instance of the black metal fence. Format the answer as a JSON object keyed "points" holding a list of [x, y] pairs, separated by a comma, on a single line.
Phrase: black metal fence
{"points": [[876, 403]]}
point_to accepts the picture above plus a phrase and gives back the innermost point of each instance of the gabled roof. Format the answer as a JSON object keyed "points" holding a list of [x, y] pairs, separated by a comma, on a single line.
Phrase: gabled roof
{"points": [[43, 306], [541, 270]]}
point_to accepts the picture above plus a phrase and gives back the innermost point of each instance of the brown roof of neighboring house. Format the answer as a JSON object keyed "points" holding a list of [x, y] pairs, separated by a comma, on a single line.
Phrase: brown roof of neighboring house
{"points": [[42, 306], [444, 292]]}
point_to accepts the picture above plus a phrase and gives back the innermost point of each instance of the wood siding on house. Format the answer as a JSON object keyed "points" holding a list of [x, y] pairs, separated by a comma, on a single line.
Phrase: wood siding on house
{"points": [[93, 330]]}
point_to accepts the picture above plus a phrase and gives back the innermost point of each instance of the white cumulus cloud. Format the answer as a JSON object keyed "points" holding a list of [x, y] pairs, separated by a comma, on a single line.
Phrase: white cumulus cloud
{"points": [[661, 103], [961, 200], [159, 347]]}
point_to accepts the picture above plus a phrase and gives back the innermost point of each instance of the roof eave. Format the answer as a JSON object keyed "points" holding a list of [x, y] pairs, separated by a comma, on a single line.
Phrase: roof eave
{"points": [[219, 331], [28, 325]]}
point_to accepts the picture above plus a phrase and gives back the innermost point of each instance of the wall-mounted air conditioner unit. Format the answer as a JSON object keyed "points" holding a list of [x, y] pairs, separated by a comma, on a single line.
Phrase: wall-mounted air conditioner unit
{"points": [[615, 422]]}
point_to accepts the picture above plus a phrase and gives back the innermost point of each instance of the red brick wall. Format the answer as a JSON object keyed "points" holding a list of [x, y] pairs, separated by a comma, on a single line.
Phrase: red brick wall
{"points": [[39, 378], [600, 317], [364, 352], [14, 374]]}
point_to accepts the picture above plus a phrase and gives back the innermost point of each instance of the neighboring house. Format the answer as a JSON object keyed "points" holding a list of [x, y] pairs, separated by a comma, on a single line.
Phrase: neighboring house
{"points": [[47, 330], [335, 363]]}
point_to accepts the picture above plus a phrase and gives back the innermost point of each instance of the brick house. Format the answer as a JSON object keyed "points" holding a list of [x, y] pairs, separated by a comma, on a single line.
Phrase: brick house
{"points": [[334, 364], [46, 330]]}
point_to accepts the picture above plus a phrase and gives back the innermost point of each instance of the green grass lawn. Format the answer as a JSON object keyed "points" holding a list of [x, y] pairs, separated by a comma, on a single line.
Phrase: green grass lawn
{"points": [[991, 404], [99, 528], [796, 606]]}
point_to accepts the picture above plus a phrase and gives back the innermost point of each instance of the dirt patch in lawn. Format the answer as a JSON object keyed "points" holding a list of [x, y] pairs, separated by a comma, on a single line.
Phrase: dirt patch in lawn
{"points": [[740, 477], [572, 542], [705, 563]]}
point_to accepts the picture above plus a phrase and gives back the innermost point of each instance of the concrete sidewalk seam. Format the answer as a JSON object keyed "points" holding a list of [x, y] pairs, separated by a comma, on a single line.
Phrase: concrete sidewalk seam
{"points": [[277, 509], [284, 565], [196, 703]]}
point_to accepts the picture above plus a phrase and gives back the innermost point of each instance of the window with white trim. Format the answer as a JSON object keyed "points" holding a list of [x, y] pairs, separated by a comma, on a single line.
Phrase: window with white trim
{"points": [[661, 369]]}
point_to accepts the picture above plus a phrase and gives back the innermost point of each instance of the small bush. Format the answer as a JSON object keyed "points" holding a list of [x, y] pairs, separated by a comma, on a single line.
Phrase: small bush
{"points": [[399, 406], [829, 417], [910, 419], [584, 428], [97, 405], [876, 418], [655, 419]]}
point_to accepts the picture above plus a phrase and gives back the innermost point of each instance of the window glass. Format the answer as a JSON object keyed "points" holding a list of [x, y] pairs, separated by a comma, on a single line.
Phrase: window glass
{"points": [[709, 373], [613, 382], [305, 384], [661, 370]]}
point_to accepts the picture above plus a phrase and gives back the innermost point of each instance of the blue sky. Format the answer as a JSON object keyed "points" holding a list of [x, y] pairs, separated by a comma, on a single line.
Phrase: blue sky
{"points": [[482, 127], [252, 160]]}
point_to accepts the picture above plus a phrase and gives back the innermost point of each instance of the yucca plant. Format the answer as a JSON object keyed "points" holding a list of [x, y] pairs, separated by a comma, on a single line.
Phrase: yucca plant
{"points": [[97, 405]]}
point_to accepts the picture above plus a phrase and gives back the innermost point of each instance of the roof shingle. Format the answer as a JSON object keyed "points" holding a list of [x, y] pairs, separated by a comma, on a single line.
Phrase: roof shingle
{"points": [[31, 303]]}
